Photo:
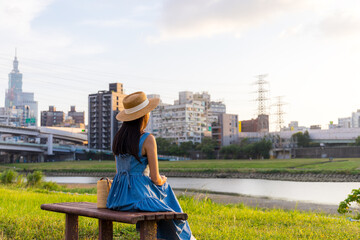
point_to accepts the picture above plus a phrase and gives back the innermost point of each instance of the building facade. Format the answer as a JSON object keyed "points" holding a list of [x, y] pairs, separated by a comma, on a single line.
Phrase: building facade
{"points": [[183, 121], [103, 108], [78, 117], [52, 117], [226, 130], [260, 124], [345, 122], [355, 119]]}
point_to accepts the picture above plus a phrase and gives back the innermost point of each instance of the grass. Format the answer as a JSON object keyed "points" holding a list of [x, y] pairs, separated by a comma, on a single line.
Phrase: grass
{"points": [[22, 218], [345, 165]]}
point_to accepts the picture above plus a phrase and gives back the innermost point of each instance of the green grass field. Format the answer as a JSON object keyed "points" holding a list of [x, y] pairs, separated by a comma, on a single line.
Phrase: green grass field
{"points": [[22, 218], [345, 165]]}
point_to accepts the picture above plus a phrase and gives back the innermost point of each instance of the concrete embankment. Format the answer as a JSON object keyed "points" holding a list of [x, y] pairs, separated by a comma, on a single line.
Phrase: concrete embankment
{"points": [[299, 177]]}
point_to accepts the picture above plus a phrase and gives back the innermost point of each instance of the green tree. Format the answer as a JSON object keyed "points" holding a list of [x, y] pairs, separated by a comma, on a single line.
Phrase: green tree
{"points": [[232, 151], [163, 146], [259, 149], [263, 148], [186, 148], [357, 141], [302, 139], [207, 146], [174, 150]]}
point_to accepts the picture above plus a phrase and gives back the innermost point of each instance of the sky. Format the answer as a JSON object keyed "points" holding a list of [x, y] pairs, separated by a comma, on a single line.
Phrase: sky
{"points": [[310, 51]]}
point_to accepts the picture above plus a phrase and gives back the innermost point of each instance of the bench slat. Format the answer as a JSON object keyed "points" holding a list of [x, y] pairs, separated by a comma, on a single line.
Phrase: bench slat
{"points": [[88, 209]]}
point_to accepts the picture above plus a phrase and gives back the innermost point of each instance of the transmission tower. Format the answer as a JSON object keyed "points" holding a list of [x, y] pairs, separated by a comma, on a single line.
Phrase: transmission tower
{"points": [[279, 113], [262, 94]]}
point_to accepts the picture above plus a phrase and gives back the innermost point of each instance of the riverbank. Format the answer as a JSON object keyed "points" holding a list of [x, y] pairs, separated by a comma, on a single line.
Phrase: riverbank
{"points": [[304, 170], [257, 202], [298, 177]]}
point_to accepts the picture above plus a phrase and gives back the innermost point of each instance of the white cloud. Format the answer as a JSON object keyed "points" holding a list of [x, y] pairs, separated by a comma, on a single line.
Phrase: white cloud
{"points": [[122, 23], [340, 24], [296, 31], [16, 15], [331, 25], [189, 19]]}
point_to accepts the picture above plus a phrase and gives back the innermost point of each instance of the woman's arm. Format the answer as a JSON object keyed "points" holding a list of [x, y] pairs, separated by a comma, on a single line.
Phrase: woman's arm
{"points": [[150, 148], [115, 163]]}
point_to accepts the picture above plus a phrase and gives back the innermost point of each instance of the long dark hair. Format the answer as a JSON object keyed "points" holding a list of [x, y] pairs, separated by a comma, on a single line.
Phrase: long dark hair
{"points": [[127, 138]]}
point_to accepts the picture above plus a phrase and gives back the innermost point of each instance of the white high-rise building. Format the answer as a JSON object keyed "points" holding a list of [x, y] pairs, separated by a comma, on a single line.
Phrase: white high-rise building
{"points": [[355, 119], [182, 122], [345, 122]]}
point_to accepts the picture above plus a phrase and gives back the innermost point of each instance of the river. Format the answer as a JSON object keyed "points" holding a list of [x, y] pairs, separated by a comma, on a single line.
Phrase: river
{"points": [[313, 192]]}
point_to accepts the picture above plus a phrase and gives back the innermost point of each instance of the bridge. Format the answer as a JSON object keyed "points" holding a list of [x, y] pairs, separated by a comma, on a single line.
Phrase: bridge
{"points": [[36, 144]]}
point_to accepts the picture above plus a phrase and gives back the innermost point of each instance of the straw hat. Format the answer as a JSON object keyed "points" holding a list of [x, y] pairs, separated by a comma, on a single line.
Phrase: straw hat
{"points": [[136, 105]]}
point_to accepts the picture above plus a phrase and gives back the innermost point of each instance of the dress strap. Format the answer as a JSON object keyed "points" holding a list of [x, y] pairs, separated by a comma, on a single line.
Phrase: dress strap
{"points": [[142, 140]]}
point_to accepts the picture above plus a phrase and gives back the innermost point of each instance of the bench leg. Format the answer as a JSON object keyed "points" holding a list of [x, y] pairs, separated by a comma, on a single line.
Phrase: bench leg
{"points": [[148, 230], [71, 227], [105, 230]]}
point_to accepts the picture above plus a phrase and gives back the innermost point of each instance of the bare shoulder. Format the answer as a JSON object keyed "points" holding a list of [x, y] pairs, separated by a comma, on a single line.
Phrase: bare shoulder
{"points": [[150, 140]]}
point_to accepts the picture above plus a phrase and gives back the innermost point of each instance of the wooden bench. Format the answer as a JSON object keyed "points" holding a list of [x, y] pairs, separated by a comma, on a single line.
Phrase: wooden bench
{"points": [[147, 220]]}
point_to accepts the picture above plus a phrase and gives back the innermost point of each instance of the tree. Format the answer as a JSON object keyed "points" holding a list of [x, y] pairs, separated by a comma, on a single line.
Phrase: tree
{"points": [[302, 139], [259, 149], [163, 146], [263, 148], [232, 151], [357, 141], [186, 148], [207, 146]]}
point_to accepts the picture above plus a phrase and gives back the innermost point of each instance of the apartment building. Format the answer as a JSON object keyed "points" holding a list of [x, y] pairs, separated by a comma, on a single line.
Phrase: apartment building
{"points": [[103, 108], [226, 130], [52, 117], [260, 124], [183, 122], [78, 117]]}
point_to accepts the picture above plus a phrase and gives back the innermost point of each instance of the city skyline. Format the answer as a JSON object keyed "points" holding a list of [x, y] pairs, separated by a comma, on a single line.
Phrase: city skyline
{"points": [[309, 50]]}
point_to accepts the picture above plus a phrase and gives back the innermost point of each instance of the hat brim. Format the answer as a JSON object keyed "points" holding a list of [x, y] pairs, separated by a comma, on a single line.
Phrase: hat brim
{"points": [[122, 116]]}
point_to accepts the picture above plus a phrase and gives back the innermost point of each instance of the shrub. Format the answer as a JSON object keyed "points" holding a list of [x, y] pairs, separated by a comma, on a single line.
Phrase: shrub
{"points": [[344, 206], [51, 186], [34, 178], [20, 179], [8, 176]]}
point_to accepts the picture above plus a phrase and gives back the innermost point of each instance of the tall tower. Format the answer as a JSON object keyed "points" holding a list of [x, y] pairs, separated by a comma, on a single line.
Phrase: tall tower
{"points": [[13, 95], [262, 98], [279, 113], [261, 94], [18, 103]]}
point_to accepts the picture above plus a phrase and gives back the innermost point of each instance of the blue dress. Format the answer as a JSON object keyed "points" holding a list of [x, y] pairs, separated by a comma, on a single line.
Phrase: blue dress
{"points": [[133, 190]]}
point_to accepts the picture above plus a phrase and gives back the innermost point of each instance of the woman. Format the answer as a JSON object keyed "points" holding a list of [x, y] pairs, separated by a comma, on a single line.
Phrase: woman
{"points": [[136, 153]]}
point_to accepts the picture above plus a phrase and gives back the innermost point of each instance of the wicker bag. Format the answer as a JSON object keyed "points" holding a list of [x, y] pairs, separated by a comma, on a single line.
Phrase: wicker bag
{"points": [[103, 188]]}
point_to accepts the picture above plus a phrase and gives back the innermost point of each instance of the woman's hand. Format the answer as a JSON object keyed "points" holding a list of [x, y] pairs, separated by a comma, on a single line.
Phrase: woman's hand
{"points": [[163, 178]]}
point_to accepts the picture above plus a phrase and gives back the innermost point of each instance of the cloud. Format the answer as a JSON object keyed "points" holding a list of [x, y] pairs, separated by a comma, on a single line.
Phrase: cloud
{"points": [[16, 15], [335, 25], [121, 23], [190, 19], [340, 24]]}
